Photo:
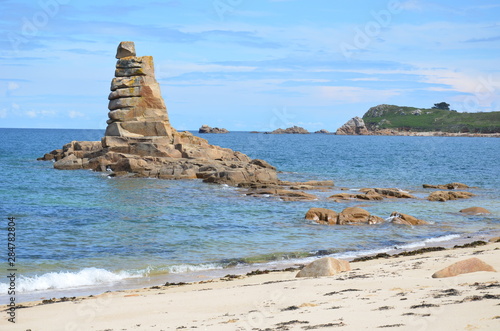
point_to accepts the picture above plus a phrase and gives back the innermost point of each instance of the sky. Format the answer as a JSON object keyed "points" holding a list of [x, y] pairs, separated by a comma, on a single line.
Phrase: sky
{"points": [[248, 65]]}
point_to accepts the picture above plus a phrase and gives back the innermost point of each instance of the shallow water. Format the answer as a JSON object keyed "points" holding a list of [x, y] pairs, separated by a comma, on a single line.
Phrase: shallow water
{"points": [[80, 229]]}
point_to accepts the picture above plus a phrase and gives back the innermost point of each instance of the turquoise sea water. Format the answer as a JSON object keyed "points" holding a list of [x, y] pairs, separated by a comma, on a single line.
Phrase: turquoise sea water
{"points": [[83, 231]]}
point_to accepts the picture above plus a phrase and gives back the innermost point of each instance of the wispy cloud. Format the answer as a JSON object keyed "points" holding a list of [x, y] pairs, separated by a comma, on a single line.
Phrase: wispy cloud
{"points": [[480, 40]]}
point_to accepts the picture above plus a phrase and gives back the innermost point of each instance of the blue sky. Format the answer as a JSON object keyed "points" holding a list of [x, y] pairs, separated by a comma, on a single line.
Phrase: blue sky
{"points": [[248, 65]]}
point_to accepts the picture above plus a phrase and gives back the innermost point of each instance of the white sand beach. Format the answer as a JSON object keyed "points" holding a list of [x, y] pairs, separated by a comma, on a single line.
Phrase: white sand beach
{"points": [[393, 293]]}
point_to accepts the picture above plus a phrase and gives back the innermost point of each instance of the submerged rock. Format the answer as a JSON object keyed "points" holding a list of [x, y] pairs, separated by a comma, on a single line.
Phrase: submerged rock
{"points": [[450, 186], [475, 211], [326, 266], [285, 195], [140, 142], [373, 194]]}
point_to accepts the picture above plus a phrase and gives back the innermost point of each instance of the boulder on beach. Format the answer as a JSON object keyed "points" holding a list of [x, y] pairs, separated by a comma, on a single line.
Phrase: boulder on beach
{"points": [[449, 195], [322, 216], [475, 211], [326, 266], [450, 186], [140, 142], [400, 218], [462, 267], [208, 129]]}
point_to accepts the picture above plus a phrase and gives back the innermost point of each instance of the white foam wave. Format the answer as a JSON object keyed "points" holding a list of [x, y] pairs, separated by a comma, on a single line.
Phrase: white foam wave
{"points": [[183, 268], [64, 280], [442, 238], [423, 243]]}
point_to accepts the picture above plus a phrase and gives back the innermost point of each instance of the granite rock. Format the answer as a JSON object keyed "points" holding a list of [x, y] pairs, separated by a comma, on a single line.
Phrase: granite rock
{"points": [[462, 267], [355, 126]]}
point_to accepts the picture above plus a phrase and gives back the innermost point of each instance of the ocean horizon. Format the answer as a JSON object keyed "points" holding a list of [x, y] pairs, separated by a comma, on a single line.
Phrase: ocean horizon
{"points": [[85, 232]]}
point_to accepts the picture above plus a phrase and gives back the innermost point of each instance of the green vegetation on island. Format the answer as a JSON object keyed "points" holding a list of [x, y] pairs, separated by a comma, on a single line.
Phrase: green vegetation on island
{"points": [[437, 118]]}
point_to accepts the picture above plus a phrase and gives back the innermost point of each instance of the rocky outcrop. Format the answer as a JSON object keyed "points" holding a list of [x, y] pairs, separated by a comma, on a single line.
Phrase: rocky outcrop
{"points": [[449, 195], [140, 142], [323, 131], [292, 130], [475, 211], [400, 218], [450, 186], [207, 129], [463, 267], [326, 266], [355, 126]]}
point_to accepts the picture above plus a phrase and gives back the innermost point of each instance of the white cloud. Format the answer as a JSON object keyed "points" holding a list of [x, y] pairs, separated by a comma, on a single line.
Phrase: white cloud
{"points": [[411, 5], [40, 113], [12, 86], [3, 113], [75, 114], [349, 94]]}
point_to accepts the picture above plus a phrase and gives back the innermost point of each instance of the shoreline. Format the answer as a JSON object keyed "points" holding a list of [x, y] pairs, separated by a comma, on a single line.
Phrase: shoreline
{"points": [[406, 278], [192, 277]]}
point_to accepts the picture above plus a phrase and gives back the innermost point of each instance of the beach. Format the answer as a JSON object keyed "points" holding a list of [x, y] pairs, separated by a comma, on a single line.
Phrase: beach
{"points": [[396, 293]]}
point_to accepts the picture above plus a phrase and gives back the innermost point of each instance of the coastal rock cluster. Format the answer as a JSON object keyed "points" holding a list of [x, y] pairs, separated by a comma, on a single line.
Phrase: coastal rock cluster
{"points": [[140, 142]]}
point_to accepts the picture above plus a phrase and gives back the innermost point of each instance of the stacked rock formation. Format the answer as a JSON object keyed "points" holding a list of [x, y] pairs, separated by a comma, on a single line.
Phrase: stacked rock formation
{"points": [[140, 142], [136, 106]]}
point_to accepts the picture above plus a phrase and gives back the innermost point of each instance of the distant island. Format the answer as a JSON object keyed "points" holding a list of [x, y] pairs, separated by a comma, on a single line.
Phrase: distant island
{"points": [[400, 120], [207, 129], [291, 130]]}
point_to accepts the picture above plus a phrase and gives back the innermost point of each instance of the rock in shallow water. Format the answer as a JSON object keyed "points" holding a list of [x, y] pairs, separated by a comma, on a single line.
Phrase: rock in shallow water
{"points": [[400, 218], [475, 211], [322, 215], [449, 195]]}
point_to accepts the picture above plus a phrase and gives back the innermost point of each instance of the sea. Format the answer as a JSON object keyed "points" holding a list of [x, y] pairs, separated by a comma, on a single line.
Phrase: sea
{"points": [[83, 233]]}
